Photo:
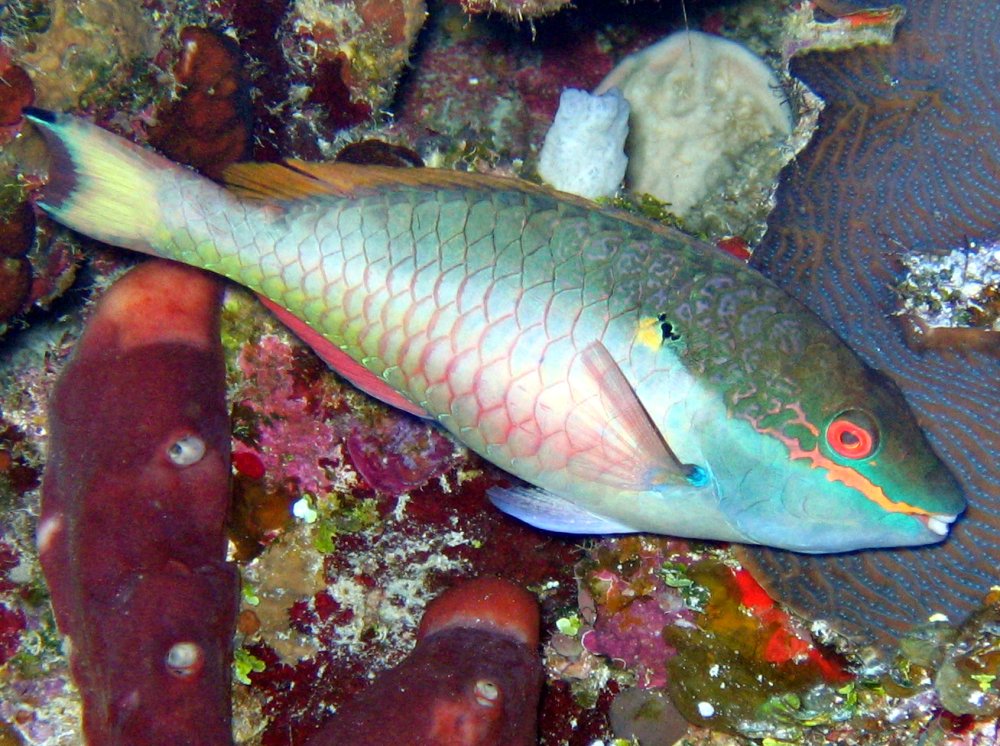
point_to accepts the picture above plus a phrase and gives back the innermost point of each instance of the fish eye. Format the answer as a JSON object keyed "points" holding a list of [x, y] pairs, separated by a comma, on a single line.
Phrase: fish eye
{"points": [[186, 450], [852, 434]]}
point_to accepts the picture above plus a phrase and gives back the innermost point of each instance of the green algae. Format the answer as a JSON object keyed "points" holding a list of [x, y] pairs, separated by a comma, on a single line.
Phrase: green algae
{"points": [[244, 664], [740, 673], [675, 575], [343, 516]]}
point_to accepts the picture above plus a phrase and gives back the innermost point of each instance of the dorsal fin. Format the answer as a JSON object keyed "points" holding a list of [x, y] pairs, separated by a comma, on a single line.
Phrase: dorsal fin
{"points": [[272, 181], [295, 179]]}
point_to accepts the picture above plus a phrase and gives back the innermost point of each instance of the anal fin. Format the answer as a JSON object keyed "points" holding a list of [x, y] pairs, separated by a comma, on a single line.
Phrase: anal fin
{"points": [[343, 363]]}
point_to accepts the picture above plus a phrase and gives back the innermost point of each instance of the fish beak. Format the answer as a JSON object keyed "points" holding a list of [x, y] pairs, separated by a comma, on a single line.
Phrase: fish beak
{"points": [[938, 523]]}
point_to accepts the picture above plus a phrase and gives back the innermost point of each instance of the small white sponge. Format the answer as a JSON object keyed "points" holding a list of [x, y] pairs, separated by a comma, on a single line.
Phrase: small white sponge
{"points": [[584, 150]]}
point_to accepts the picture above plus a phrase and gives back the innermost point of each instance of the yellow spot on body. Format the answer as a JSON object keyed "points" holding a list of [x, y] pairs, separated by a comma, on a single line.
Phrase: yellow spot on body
{"points": [[649, 334]]}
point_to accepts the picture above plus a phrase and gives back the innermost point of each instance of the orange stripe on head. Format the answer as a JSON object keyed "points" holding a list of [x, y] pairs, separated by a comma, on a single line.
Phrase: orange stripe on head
{"points": [[845, 475]]}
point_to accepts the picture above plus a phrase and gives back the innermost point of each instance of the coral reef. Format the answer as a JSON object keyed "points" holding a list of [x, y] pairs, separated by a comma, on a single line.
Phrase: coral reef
{"points": [[338, 572]]}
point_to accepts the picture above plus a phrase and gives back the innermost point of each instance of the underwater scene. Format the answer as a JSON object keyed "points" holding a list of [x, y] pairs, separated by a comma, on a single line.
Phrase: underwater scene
{"points": [[506, 372]]}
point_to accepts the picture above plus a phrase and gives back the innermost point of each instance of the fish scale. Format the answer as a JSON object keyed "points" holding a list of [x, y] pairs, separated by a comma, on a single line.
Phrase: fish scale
{"points": [[635, 378]]}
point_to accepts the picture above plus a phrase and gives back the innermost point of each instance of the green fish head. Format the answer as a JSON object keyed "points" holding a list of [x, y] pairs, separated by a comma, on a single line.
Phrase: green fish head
{"points": [[847, 468]]}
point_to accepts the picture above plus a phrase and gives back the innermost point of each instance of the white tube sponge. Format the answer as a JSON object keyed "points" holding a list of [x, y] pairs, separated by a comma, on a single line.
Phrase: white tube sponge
{"points": [[584, 149]]}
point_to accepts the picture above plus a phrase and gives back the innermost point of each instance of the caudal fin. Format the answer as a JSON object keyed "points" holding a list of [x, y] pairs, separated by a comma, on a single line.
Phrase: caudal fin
{"points": [[102, 185]]}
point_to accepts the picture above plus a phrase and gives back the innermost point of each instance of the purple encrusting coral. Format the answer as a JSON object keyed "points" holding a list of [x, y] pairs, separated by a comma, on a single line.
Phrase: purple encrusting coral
{"points": [[633, 636], [633, 601]]}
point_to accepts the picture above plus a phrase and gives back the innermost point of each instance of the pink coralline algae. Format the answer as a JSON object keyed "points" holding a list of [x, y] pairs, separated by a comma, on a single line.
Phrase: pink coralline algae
{"points": [[286, 408], [301, 425], [633, 604], [12, 622]]}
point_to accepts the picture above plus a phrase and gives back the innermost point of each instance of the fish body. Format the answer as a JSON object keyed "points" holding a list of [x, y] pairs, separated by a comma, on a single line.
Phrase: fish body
{"points": [[474, 678], [134, 501], [638, 380]]}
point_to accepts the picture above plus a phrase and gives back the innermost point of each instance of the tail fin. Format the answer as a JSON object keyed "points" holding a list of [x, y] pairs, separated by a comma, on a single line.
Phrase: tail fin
{"points": [[102, 185]]}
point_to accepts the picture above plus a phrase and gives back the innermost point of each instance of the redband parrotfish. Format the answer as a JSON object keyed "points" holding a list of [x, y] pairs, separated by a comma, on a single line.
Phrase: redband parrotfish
{"points": [[134, 500], [637, 379], [474, 678]]}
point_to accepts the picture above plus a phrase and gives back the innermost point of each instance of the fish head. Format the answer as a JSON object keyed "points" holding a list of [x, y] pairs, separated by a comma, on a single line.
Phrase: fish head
{"points": [[844, 467]]}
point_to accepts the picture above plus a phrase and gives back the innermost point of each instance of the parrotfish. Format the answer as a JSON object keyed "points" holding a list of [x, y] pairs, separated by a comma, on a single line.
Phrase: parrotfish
{"points": [[635, 378], [134, 501], [474, 678]]}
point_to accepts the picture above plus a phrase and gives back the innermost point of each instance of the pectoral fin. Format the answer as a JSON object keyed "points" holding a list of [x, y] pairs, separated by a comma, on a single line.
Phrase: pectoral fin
{"points": [[548, 511], [616, 442]]}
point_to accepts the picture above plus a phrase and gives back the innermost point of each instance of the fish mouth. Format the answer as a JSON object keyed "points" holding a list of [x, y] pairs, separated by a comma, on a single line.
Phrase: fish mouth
{"points": [[937, 523]]}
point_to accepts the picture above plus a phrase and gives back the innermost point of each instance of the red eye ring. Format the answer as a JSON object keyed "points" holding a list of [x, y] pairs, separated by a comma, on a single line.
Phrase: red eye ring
{"points": [[852, 435]]}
